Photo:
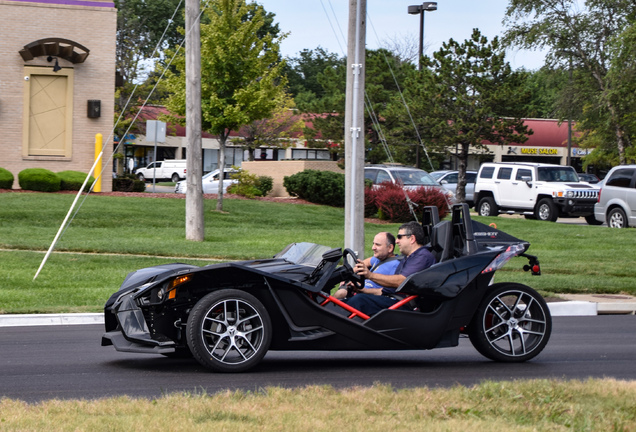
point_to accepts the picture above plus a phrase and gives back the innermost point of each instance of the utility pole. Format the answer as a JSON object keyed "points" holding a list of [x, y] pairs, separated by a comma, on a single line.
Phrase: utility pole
{"points": [[194, 169], [354, 128]]}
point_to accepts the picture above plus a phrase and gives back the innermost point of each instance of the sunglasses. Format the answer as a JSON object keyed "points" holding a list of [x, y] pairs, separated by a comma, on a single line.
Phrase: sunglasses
{"points": [[399, 236]]}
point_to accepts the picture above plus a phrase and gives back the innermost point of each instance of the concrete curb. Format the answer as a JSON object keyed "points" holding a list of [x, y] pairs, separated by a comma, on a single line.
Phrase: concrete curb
{"points": [[600, 306]]}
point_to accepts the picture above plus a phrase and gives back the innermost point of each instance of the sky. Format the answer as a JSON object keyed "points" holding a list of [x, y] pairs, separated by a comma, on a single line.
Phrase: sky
{"points": [[310, 23]]}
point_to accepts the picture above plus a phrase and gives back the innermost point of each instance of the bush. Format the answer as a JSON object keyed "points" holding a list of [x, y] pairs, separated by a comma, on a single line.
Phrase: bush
{"points": [[6, 179], [249, 185], [320, 187], [39, 179], [389, 201], [73, 180], [128, 183]]}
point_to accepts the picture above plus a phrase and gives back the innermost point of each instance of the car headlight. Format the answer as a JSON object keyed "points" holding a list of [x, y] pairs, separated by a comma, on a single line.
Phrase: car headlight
{"points": [[169, 289]]}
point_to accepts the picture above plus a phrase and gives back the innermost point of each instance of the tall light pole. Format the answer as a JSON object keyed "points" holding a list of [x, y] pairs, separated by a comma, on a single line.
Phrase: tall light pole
{"points": [[414, 10]]}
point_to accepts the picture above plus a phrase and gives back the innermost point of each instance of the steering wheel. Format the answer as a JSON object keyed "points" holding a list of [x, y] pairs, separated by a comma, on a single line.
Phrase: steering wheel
{"points": [[355, 279]]}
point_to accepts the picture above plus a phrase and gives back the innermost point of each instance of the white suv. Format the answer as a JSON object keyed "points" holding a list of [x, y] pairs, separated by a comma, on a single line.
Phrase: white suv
{"points": [[617, 198], [538, 191]]}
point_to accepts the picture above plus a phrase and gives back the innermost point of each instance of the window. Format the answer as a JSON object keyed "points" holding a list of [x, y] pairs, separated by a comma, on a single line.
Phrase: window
{"points": [[521, 173], [451, 178], [471, 177], [487, 172], [48, 112], [310, 154], [383, 176], [370, 174], [504, 173], [621, 178]]}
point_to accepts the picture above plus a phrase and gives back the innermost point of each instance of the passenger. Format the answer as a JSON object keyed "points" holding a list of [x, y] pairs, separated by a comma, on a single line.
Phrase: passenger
{"points": [[383, 261], [411, 240]]}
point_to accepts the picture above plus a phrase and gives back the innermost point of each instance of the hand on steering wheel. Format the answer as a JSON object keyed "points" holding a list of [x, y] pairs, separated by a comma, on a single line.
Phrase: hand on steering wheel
{"points": [[351, 276]]}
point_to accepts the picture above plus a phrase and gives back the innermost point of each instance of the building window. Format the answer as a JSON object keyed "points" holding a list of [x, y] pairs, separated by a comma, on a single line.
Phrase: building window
{"points": [[48, 112], [310, 154]]}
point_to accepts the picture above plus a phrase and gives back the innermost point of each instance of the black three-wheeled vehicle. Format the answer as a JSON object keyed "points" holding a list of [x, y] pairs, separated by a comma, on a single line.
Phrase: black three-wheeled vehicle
{"points": [[229, 315]]}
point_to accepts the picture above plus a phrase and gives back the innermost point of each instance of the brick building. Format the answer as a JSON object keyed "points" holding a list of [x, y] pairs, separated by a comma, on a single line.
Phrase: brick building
{"points": [[57, 81]]}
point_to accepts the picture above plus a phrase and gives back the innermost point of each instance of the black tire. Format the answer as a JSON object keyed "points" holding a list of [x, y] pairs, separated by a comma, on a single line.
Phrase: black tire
{"points": [[591, 220], [175, 177], [141, 177], [512, 324], [546, 210], [229, 331], [617, 218], [487, 207]]}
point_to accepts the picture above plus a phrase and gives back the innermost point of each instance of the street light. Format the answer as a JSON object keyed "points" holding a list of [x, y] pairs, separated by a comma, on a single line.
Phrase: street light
{"points": [[420, 9], [414, 10]]}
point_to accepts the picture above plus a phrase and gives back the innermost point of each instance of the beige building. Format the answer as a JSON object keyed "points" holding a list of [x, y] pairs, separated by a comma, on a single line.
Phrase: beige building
{"points": [[57, 84]]}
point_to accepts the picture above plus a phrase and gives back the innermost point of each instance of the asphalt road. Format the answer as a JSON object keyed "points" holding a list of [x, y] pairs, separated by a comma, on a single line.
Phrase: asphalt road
{"points": [[40, 363]]}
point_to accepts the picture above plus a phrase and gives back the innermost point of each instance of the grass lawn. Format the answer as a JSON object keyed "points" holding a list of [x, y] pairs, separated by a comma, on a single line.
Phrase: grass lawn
{"points": [[111, 236]]}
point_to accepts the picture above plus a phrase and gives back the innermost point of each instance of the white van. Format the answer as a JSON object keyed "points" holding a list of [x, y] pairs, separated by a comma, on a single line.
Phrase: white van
{"points": [[173, 169]]}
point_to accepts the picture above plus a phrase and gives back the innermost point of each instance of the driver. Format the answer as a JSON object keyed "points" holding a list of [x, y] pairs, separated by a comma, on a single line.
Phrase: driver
{"points": [[410, 240], [383, 261]]}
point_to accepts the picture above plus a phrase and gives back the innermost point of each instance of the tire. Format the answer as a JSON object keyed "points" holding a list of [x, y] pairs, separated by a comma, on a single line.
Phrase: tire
{"points": [[616, 218], [141, 177], [175, 177], [487, 207], [512, 324], [229, 331], [546, 210], [591, 220]]}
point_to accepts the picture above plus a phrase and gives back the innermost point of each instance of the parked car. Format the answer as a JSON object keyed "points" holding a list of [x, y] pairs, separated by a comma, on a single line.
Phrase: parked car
{"points": [[210, 182], [408, 177], [173, 169], [617, 199], [588, 178], [448, 179]]}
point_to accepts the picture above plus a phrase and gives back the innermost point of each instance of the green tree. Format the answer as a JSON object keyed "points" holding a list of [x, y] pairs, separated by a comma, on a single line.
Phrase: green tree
{"points": [[464, 95], [588, 40], [241, 72]]}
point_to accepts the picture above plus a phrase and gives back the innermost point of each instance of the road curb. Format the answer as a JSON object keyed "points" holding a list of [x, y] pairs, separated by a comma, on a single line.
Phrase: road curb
{"points": [[559, 308]]}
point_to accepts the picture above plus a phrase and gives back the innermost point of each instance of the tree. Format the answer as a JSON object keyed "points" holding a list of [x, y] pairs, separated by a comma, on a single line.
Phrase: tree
{"points": [[586, 40], [274, 131], [464, 95], [241, 72]]}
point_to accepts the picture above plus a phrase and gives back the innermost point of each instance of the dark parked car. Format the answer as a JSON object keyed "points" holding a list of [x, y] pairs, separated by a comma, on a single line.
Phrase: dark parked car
{"points": [[588, 178], [229, 315]]}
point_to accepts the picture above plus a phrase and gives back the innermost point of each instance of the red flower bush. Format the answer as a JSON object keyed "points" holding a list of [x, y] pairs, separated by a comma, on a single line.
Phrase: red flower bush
{"points": [[389, 201]]}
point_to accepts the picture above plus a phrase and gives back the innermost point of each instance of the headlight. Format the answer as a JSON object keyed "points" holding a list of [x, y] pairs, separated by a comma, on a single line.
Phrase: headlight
{"points": [[169, 289]]}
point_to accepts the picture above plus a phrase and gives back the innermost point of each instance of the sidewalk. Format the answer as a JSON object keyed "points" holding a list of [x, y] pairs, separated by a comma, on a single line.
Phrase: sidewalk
{"points": [[573, 305]]}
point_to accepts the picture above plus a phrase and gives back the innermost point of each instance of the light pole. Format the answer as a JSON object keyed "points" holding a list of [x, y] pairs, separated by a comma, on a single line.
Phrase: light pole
{"points": [[414, 10]]}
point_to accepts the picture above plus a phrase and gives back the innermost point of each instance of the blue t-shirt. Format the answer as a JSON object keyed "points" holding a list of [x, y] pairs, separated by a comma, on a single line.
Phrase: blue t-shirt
{"points": [[386, 267]]}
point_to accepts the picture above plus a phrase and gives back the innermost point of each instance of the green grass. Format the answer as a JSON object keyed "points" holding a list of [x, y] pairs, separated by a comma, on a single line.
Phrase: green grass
{"points": [[123, 234]]}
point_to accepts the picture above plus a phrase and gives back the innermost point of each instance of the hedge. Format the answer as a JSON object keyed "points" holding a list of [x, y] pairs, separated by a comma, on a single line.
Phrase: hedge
{"points": [[39, 179]]}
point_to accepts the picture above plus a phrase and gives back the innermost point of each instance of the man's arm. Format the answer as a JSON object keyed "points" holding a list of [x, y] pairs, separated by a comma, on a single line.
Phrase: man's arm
{"points": [[389, 281]]}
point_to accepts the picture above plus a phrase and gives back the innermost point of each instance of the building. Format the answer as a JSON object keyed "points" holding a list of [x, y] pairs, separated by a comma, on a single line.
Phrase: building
{"points": [[57, 81]]}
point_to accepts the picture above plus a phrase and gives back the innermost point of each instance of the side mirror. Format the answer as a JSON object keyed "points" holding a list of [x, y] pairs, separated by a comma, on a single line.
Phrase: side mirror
{"points": [[527, 179]]}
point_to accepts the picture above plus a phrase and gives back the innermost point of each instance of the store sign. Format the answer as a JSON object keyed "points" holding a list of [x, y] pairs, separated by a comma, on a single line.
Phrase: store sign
{"points": [[579, 152], [539, 151]]}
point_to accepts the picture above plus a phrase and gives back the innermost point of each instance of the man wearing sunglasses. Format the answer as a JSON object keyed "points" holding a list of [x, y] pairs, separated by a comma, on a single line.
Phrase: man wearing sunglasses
{"points": [[410, 240]]}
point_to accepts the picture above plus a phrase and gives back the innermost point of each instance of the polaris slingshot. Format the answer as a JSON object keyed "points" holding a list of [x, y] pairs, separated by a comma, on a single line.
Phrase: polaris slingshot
{"points": [[229, 315]]}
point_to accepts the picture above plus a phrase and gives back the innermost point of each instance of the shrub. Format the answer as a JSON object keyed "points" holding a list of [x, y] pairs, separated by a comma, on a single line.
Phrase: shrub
{"points": [[320, 187], [39, 179], [6, 179], [391, 203], [128, 183], [73, 180], [249, 185]]}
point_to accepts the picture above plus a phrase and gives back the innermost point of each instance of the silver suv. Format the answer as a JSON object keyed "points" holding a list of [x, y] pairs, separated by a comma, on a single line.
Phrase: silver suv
{"points": [[617, 199], [407, 177]]}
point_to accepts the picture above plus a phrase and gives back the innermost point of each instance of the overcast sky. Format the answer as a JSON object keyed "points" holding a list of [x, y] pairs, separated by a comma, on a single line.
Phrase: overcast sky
{"points": [[310, 23]]}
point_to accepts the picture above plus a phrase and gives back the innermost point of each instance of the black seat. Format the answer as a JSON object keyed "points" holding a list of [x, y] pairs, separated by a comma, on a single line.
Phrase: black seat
{"points": [[453, 238]]}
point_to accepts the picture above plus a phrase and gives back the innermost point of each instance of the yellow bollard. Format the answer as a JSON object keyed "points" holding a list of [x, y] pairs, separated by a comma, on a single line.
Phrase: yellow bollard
{"points": [[98, 164]]}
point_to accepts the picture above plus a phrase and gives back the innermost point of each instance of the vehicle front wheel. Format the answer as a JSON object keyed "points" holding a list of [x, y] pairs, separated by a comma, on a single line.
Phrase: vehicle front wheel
{"points": [[141, 177], [229, 331], [617, 218], [512, 324], [546, 210], [487, 207], [175, 178], [591, 220]]}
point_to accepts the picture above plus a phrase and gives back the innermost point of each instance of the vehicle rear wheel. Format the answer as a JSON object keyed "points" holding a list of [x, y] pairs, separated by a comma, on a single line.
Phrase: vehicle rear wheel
{"points": [[591, 220], [141, 177], [175, 178], [546, 210], [617, 218], [512, 324], [229, 331], [487, 207]]}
